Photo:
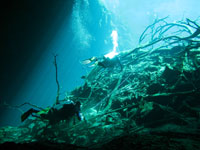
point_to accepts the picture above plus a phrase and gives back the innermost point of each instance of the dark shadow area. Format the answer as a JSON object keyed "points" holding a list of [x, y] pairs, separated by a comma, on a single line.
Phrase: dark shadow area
{"points": [[27, 28]]}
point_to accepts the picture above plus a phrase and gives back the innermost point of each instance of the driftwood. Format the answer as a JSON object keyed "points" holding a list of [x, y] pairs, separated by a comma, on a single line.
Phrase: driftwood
{"points": [[58, 85]]}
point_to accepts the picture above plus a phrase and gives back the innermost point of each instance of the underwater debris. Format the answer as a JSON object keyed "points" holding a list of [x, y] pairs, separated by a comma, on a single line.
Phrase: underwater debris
{"points": [[154, 98]]}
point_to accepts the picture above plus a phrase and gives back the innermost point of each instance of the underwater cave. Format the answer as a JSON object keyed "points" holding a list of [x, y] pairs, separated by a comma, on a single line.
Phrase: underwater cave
{"points": [[97, 74]]}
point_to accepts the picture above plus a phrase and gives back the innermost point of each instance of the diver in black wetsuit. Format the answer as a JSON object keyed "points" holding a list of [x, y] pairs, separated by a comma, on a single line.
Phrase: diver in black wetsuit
{"points": [[107, 62], [61, 111], [104, 62]]}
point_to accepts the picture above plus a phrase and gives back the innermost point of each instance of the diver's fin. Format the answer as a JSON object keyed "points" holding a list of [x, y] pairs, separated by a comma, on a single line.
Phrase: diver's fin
{"points": [[25, 115], [93, 65], [87, 61]]}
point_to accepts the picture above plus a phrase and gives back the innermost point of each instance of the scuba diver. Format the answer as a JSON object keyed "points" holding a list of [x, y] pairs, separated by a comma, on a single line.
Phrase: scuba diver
{"points": [[64, 110], [105, 62]]}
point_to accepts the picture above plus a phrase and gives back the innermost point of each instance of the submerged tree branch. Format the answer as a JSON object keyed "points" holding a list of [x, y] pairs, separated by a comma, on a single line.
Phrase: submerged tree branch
{"points": [[58, 85], [19, 106]]}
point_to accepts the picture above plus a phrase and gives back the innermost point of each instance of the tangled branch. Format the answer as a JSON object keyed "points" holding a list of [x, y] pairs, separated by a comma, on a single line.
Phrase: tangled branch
{"points": [[164, 35]]}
